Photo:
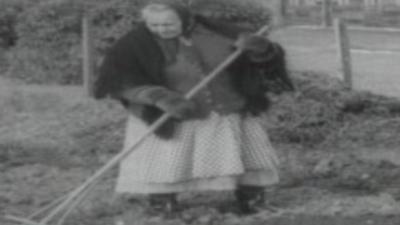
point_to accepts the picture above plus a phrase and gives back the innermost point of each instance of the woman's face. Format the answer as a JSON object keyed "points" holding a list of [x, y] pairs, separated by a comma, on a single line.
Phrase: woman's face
{"points": [[166, 24]]}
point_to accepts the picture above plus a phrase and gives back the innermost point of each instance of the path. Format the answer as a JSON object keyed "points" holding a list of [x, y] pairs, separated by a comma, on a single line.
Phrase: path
{"points": [[375, 55]]}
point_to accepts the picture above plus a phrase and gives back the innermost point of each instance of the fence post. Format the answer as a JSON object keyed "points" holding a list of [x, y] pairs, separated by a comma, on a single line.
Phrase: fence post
{"points": [[278, 10], [284, 7], [87, 57], [327, 13], [343, 45]]}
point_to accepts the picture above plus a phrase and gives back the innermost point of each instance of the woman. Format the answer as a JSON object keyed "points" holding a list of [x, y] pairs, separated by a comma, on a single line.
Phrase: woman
{"points": [[213, 141]]}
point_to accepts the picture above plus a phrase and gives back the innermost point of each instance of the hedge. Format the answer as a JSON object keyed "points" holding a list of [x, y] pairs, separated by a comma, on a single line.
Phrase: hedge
{"points": [[48, 49]]}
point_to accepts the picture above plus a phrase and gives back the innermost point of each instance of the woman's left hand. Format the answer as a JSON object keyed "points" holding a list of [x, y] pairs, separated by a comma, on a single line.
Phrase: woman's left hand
{"points": [[252, 43]]}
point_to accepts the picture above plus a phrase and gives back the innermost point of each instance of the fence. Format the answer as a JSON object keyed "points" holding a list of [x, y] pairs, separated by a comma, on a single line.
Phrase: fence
{"points": [[374, 55], [359, 12], [366, 59], [87, 56]]}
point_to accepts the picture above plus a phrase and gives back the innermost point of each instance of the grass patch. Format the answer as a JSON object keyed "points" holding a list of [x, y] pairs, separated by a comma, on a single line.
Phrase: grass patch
{"points": [[34, 121]]}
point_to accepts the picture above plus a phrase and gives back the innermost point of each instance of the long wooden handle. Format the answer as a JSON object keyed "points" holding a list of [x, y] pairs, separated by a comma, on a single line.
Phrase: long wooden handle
{"points": [[116, 159], [221, 67]]}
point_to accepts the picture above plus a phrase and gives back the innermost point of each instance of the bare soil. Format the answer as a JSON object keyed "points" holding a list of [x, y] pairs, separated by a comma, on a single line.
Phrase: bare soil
{"points": [[339, 153]]}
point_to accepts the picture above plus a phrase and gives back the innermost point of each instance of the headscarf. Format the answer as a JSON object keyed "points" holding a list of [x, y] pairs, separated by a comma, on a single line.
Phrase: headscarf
{"points": [[181, 9]]}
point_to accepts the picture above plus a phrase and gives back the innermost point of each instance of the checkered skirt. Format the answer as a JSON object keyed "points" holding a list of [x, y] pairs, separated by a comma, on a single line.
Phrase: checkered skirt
{"points": [[219, 146]]}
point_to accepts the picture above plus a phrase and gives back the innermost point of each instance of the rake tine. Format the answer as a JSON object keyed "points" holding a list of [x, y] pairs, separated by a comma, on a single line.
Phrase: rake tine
{"points": [[23, 221], [75, 203], [116, 159], [47, 207]]}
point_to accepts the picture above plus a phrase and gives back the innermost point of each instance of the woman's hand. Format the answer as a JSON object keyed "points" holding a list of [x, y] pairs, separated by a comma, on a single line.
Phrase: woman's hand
{"points": [[255, 46], [177, 106], [253, 43]]}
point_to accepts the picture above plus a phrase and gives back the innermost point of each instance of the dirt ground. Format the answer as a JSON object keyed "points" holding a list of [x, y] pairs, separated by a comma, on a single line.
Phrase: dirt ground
{"points": [[340, 161]]}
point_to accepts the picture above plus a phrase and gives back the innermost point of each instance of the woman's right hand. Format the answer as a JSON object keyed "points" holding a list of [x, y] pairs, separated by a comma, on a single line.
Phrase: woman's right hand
{"points": [[178, 107], [167, 100]]}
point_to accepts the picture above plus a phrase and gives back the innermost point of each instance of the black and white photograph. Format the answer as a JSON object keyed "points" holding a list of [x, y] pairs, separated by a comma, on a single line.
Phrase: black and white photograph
{"points": [[199, 112]]}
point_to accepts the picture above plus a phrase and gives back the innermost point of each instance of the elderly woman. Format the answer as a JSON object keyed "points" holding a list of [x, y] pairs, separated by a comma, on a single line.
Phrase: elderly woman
{"points": [[214, 141]]}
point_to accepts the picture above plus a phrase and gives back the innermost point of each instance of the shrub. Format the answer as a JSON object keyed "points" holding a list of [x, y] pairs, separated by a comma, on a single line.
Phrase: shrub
{"points": [[48, 49], [48, 44], [384, 18], [241, 11], [9, 13], [49, 32], [7, 21]]}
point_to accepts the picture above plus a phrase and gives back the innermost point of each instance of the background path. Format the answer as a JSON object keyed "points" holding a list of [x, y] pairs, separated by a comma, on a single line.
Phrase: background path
{"points": [[375, 55]]}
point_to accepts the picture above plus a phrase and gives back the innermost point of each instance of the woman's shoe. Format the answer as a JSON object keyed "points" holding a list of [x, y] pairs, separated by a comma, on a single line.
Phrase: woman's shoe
{"points": [[163, 204], [249, 199]]}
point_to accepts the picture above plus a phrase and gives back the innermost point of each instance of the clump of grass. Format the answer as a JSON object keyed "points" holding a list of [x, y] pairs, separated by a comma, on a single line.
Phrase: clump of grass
{"points": [[34, 123], [316, 117], [323, 110]]}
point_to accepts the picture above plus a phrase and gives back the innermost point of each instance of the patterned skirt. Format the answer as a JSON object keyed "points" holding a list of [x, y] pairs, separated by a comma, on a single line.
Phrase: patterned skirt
{"points": [[216, 153]]}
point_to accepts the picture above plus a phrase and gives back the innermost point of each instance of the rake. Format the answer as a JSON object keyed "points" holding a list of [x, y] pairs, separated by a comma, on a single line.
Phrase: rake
{"points": [[58, 210]]}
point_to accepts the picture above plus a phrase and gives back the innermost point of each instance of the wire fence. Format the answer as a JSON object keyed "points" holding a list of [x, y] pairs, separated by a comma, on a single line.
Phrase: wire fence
{"points": [[375, 55], [357, 12]]}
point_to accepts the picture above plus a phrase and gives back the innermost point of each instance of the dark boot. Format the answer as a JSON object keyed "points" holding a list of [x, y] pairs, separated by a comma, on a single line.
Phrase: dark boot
{"points": [[249, 198], [165, 204]]}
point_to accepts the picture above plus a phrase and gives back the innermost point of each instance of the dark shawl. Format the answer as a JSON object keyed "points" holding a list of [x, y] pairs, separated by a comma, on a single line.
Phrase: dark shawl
{"points": [[137, 60]]}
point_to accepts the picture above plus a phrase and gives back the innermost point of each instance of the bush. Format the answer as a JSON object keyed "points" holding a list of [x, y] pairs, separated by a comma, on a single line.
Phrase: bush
{"points": [[9, 14], [8, 36], [49, 45], [47, 48], [240, 11], [382, 19], [49, 33]]}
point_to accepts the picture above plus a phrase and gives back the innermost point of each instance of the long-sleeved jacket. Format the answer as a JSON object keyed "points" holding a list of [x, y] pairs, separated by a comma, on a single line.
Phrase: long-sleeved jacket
{"points": [[137, 63]]}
